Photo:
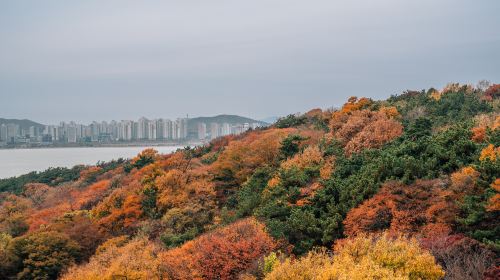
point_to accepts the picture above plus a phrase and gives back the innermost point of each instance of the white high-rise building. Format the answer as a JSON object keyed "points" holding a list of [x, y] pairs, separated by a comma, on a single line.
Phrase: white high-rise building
{"points": [[214, 130], [142, 128], [202, 131], [152, 130], [226, 129]]}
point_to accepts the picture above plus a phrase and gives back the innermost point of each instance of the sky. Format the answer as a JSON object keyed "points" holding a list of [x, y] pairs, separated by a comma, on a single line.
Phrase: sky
{"points": [[102, 59]]}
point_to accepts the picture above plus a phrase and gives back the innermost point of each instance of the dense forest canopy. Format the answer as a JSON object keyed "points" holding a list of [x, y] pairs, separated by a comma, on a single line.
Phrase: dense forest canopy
{"points": [[403, 188]]}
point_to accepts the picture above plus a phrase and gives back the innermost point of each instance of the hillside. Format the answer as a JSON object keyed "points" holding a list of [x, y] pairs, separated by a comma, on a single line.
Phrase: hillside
{"points": [[403, 188], [24, 124]]}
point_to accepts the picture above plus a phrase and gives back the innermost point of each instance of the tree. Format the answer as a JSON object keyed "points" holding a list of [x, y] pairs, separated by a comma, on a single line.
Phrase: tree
{"points": [[290, 145], [82, 229], [363, 257], [135, 259], [144, 158], [36, 192], [490, 153], [461, 257], [424, 207], [364, 129], [43, 255], [14, 212], [221, 254]]}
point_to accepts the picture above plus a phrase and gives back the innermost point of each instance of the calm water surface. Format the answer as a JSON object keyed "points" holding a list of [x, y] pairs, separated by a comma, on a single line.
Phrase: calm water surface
{"points": [[16, 162]]}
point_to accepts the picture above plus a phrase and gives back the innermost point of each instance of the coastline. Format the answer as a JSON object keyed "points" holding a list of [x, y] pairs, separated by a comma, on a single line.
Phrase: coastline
{"points": [[100, 145]]}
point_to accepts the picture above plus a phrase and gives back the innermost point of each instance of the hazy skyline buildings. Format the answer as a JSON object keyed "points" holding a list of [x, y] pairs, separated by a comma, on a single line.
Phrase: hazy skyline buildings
{"points": [[141, 130]]}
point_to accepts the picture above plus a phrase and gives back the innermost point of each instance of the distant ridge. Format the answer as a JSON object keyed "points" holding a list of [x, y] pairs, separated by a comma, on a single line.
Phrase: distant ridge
{"points": [[270, 120], [231, 119], [24, 123]]}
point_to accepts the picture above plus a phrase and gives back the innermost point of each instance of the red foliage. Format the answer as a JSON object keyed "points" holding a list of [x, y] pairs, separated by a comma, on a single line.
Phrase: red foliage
{"points": [[421, 208], [222, 254], [479, 134], [492, 92], [461, 257], [364, 129]]}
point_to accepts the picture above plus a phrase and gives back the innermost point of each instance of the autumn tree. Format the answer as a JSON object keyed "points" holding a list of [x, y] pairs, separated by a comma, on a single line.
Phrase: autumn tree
{"points": [[364, 129], [363, 257], [425, 207], [82, 229], [494, 201], [241, 157], [14, 212], [461, 257], [42, 255], [135, 259], [221, 254], [36, 192]]}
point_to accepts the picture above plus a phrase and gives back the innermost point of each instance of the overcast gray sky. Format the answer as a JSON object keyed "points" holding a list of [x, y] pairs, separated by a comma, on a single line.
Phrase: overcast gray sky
{"points": [[102, 60]]}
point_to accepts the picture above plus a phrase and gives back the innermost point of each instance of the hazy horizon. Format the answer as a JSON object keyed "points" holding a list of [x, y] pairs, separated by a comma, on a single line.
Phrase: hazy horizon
{"points": [[104, 60]]}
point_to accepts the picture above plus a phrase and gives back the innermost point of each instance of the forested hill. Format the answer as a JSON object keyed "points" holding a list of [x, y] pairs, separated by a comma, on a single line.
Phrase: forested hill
{"points": [[220, 119], [403, 188], [24, 124]]}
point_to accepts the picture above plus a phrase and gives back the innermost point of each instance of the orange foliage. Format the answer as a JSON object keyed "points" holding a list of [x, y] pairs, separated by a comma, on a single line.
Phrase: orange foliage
{"points": [[306, 193], [434, 94], [87, 196], [423, 207], [490, 153], [464, 180], [390, 112], [221, 254], [494, 202], [46, 216], [242, 157], [478, 134], [149, 153], [311, 156], [119, 212], [36, 192], [88, 172], [364, 129], [492, 92], [327, 169], [484, 122], [456, 87]]}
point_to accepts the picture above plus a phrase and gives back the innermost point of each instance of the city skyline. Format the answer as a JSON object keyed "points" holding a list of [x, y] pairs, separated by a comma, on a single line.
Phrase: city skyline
{"points": [[143, 129]]}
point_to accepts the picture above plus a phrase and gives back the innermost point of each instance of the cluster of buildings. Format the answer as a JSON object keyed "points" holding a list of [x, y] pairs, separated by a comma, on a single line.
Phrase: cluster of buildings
{"points": [[120, 131], [143, 129]]}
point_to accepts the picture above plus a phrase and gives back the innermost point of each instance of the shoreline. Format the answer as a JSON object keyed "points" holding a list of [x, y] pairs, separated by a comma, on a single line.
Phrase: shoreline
{"points": [[103, 145]]}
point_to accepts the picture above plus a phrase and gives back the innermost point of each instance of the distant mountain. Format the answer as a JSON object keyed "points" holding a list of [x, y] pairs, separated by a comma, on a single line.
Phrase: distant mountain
{"points": [[230, 119], [270, 120], [24, 124]]}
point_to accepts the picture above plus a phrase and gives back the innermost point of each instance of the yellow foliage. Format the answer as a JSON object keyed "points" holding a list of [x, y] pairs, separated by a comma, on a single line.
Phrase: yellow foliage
{"points": [[490, 153], [327, 169], [463, 181], [135, 260], [436, 95], [363, 257], [496, 123], [311, 156], [390, 112]]}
